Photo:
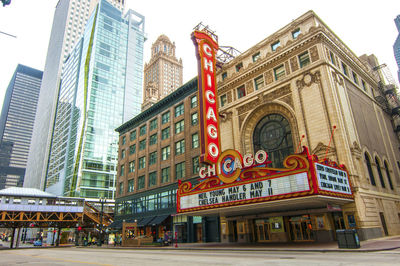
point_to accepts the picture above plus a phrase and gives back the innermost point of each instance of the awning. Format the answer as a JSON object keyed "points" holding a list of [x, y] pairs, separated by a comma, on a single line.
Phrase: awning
{"points": [[116, 224], [144, 221], [158, 219]]}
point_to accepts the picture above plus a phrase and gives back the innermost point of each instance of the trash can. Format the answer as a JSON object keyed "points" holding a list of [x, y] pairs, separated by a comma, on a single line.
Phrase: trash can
{"points": [[347, 238]]}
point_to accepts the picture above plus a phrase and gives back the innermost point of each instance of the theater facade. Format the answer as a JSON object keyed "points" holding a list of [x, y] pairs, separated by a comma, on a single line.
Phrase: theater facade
{"points": [[308, 145]]}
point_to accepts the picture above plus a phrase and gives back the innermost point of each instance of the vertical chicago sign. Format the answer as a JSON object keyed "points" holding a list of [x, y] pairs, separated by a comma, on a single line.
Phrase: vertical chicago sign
{"points": [[206, 49]]}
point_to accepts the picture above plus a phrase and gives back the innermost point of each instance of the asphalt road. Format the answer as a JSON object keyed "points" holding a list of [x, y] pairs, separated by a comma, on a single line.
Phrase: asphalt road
{"points": [[98, 256]]}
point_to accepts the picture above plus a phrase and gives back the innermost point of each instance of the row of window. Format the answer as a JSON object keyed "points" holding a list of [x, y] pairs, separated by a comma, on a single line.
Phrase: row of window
{"points": [[165, 118], [165, 134], [346, 71], [165, 176], [157, 201], [165, 154], [257, 56], [379, 170], [279, 73]]}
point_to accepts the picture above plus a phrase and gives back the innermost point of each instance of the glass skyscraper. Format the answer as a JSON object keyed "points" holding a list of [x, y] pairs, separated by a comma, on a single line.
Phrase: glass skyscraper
{"points": [[101, 88], [396, 46], [16, 124]]}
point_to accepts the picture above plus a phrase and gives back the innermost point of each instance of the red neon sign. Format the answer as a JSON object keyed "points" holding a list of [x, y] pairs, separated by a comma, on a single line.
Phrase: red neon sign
{"points": [[206, 49]]}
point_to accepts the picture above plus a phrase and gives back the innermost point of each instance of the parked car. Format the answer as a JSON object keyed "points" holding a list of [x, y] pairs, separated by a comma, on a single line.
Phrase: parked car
{"points": [[37, 243]]}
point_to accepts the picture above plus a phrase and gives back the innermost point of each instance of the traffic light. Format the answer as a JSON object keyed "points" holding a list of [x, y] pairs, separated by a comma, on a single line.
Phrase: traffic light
{"points": [[6, 2], [79, 228]]}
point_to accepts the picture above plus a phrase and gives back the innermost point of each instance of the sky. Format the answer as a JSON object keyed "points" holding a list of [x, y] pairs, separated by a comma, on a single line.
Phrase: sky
{"points": [[366, 27]]}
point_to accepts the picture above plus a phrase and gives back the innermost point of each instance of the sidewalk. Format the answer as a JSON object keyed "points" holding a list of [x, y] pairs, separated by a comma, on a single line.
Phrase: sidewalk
{"points": [[378, 244]]}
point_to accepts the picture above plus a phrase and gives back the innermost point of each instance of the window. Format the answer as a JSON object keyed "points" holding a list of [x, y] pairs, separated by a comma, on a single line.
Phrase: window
{"points": [[132, 135], [273, 134], [142, 162], [179, 110], [165, 133], [131, 185], [296, 33], [153, 139], [194, 119], [122, 169], [179, 126], [123, 154], [165, 153], [223, 100], [239, 67], [121, 188], [259, 82], [195, 140], [388, 175], [123, 140], [141, 182], [279, 72], [165, 117], [332, 58], [364, 85], [132, 149], [165, 173], [153, 158], [142, 130], [304, 59], [344, 67], [355, 77], [193, 101], [275, 45], [224, 76], [152, 179], [142, 145], [256, 56], [241, 91], [180, 170], [180, 147], [132, 166], [196, 165], [153, 124], [369, 167], [378, 167]]}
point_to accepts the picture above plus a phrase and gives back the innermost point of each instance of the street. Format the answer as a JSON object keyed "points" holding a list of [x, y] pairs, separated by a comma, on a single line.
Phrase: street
{"points": [[165, 257]]}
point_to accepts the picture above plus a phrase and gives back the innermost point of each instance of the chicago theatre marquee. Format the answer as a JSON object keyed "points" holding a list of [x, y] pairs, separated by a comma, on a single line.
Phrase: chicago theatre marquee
{"points": [[290, 105], [299, 137]]}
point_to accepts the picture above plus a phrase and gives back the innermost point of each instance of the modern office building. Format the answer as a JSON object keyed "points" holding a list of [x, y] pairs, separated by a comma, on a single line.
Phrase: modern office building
{"points": [[301, 86], [100, 89], [69, 22], [396, 46], [16, 124], [163, 73]]}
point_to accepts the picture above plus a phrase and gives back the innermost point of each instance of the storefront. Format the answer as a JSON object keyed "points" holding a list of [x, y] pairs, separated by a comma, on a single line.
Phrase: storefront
{"points": [[260, 204]]}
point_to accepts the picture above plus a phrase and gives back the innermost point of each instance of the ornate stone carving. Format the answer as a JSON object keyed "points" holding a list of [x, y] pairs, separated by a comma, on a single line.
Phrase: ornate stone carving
{"points": [[356, 149], [225, 116], [249, 87], [229, 96], [287, 99], [308, 79], [314, 54], [268, 77], [293, 64], [337, 78], [287, 68], [276, 94], [320, 150]]}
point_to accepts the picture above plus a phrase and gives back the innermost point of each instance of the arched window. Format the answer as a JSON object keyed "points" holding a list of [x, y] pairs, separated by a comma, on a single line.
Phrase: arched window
{"points": [[370, 172], [273, 135], [378, 167], [388, 175]]}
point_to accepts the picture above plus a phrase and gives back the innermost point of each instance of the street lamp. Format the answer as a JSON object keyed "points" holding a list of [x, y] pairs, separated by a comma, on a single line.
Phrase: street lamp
{"points": [[102, 201]]}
